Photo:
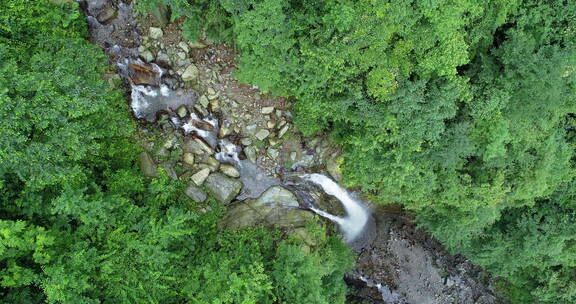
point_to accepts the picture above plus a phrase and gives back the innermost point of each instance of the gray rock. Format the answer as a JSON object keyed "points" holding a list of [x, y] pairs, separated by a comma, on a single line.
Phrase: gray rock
{"points": [[277, 195], [147, 165], [229, 170], [293, 156], [270, 124], [251, 153], [223, 188], [170, 142], [267, 110], [283, 131], [272, 141], [190, 145], [224, 131], [213, 96], [188, 158], [184, 63], [246, 141], [156, 33], [200, 177], [184, 46], [196, 146], [204, 146], [273, 153], [213, 163], [333, 167], [190, 73], [195, 193], [182, 111], [163, 58], [180, 56], [196, 44], [201, 109], [262, 134], [215, 105], [251, 129], [106, 15], [203, 100], [147, 56]]}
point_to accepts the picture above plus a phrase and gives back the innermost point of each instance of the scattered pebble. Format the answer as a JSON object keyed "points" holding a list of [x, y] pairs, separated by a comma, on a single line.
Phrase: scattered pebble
{"points": [[267, 110]]}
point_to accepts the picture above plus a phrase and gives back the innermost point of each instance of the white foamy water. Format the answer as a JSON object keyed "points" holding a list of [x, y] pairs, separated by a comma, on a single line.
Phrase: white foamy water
{"points": [[357, 213]]}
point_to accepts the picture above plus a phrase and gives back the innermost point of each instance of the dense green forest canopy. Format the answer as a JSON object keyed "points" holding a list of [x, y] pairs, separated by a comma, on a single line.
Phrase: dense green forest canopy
{"points": [[79, 224], [462, 111]]}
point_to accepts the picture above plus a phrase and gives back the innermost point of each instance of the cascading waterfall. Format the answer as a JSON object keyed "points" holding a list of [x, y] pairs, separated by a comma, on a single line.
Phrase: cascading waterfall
{"points": [[357, 214]]}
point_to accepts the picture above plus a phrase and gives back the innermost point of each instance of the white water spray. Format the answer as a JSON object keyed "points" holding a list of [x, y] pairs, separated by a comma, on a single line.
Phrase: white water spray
{"points": [[357, 213]]}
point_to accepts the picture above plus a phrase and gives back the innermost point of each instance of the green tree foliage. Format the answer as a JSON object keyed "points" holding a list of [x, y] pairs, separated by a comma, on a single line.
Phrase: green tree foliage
{"points": [[203, 18], [462, 111], [78, 224]]}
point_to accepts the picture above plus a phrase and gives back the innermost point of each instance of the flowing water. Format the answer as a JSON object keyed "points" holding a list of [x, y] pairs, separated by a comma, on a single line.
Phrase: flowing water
{"points": [[357, 214]]}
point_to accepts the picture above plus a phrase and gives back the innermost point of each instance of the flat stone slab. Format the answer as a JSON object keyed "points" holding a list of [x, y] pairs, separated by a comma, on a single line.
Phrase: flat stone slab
{"points": [[222, 187]]}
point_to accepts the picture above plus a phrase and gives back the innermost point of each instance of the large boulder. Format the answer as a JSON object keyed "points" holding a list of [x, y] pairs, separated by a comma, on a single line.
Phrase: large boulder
{"points": [[147, 165], [277, 195], [275, 207], [195, 193], [223, 188]]}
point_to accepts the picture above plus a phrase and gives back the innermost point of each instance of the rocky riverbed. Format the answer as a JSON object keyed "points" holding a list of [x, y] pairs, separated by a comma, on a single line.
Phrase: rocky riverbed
{"points": [[184, 93]]}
